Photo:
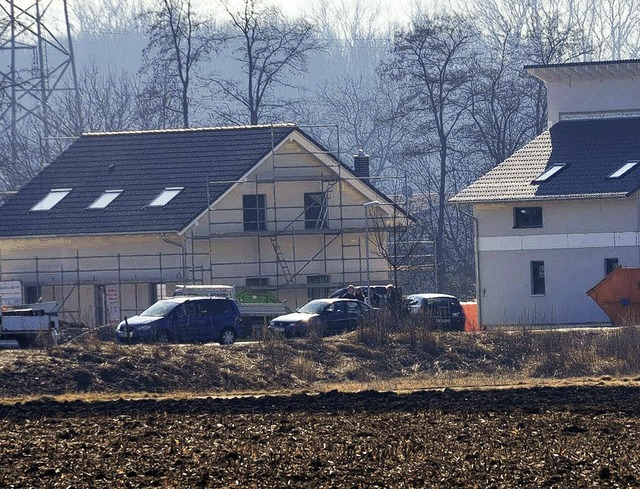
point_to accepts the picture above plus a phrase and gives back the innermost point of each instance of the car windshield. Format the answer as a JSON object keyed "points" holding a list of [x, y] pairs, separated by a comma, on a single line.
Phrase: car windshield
{"points": [[160, 309], [313, 307]]}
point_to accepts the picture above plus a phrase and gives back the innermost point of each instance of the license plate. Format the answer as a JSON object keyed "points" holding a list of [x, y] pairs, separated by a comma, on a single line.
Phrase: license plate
{"points": [[278, 329]]}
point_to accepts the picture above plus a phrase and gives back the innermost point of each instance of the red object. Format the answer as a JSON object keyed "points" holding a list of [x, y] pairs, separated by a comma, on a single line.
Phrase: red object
{"points": [[618, 295], [471, 316]]}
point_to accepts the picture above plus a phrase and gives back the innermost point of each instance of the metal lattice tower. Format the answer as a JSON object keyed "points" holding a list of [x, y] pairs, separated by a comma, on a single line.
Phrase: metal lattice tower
{"points": [[40, 66]]}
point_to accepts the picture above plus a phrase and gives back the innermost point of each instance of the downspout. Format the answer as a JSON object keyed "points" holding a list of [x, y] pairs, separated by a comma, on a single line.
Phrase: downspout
{"points": [[476, 243], [183, 263]]}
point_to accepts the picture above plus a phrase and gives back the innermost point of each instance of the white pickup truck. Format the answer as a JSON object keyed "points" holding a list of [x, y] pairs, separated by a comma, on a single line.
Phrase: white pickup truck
{"points": [[26, 323], [252, 313]]}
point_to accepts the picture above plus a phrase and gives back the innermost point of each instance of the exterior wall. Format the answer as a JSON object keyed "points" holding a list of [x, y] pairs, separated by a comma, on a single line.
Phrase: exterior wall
{"points": [[574, 241], [595, 95]]}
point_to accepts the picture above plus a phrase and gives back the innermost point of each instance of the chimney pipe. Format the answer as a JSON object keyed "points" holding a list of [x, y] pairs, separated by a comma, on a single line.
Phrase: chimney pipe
{"points": [[361, 164]]}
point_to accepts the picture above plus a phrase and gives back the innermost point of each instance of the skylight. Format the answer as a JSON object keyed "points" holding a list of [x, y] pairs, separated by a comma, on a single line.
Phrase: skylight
{"points": [[51, 199], [549, 172], [165, 196], [105, 199], [624, 169]]}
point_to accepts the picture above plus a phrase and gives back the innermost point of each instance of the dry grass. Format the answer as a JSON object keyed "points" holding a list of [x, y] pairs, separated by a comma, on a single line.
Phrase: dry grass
{"points": [[386, 355]]}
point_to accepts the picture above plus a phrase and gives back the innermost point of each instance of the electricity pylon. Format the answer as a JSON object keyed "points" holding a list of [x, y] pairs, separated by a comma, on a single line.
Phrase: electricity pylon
{"points": [[41, 65]]}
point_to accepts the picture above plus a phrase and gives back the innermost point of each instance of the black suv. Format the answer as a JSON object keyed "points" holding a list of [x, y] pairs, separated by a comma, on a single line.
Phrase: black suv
{"points": [[441, 311], [185, 319]]}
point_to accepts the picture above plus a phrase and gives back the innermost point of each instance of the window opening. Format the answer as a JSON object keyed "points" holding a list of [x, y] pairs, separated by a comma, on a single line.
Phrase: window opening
{"points": [[165, 196], [537, 278], [105, 199], [318, 292], [527, 217], [51, 199], [624, 169], [254, 212], [610, 264], [315, 211], [548, 173]]}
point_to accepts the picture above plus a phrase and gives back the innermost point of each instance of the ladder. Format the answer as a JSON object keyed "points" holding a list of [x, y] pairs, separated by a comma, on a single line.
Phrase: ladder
{"points": [[286, 271]]}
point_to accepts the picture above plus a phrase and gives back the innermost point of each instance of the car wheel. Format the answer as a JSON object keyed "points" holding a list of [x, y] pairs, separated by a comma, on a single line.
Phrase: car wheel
{"points": [[163, 336], [227, 337]]}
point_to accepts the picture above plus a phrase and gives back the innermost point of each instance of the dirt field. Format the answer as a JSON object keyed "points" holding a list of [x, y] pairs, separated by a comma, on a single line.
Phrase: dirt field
{"points": [[158, 429], [539, 437]]}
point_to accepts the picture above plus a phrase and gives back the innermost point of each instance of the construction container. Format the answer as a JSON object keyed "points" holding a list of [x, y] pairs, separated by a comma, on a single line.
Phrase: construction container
{"points": [[471, 316], [618, 295]]}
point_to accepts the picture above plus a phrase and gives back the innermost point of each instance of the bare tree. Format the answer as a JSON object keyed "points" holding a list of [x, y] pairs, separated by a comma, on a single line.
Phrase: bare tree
{"points": [[106, 17], [269, 48], [107, 101], [178, 40], [433, 61]]}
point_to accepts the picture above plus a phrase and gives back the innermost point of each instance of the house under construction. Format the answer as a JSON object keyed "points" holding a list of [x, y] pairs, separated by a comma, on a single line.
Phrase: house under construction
{"points": [[118, 219]]}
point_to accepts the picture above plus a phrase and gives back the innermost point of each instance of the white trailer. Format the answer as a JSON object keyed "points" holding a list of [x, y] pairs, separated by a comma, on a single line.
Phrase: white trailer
{"points": [[26, 323]]}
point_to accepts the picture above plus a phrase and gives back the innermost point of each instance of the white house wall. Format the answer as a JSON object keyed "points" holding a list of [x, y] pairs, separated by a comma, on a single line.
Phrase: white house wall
{"points": [[578, 97], [575, 240]]}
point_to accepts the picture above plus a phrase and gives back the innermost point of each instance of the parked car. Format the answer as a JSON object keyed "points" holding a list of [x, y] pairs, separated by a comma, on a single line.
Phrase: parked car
{"points": [[329, 315], [441, 311], [184, 319]]}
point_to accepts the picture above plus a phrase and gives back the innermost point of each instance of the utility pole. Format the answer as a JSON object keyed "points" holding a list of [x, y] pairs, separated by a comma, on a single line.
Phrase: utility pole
{"points": [[36, 65]]}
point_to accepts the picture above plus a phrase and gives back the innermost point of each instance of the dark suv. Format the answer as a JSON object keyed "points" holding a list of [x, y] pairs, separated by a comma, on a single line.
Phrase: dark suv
{"points": [[184, 319], [440, 311]]}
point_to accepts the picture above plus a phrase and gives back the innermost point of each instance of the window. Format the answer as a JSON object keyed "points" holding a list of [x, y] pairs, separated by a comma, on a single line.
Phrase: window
{"points": [[315, 211], [527, 217], [51, 199], [254, 212], [105, 199], [165, 196], [624, 169], [610, 264], [257, 282], [318, 292], [548, 173], [32, 294], [537, 278]]}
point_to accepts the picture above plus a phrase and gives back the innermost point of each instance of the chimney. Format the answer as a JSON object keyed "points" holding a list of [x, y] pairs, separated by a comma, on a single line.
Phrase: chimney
{"points": [[361, 164]]}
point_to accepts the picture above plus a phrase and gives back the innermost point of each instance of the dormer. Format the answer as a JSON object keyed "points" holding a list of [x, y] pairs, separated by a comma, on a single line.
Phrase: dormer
{"points": [[590, 90]]}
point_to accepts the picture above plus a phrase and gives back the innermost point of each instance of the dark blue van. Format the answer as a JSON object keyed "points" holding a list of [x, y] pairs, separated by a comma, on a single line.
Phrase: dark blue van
{"points": [[184, 319]]}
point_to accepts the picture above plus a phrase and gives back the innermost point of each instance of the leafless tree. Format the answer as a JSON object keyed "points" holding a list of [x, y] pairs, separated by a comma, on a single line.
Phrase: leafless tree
{"points": [[433, 61], [107, 100], [178, 40], [269, 48], [107, 17]]}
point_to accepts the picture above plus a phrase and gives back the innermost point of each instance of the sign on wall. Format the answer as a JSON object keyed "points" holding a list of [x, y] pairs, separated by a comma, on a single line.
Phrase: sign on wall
{"points": [[112, 295], [10, 292]]}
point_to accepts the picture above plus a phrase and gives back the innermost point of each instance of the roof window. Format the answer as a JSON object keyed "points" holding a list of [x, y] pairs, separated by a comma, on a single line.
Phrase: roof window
{"points": [[549, 172], [51, 199], [105, 199], [166, 196], [624, 169]]}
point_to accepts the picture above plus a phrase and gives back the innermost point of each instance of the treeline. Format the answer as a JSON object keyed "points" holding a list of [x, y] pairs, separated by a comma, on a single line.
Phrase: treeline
{"points": [[436, 101]]}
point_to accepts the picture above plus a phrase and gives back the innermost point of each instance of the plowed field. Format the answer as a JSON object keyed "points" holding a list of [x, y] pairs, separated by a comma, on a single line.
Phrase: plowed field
{"points": [[537, 437]]}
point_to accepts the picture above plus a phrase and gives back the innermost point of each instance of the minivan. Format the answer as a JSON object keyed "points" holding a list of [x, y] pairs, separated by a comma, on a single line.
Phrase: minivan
{"points": [[184, 319]]}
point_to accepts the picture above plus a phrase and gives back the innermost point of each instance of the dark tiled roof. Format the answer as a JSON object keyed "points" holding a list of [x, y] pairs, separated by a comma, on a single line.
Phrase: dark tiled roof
{"points": [[586, 63], [593, 150], [142, 164]]}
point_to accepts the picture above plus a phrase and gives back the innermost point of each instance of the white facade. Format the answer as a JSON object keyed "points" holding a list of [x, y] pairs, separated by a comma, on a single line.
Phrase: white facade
{"points": [[574, 242]]}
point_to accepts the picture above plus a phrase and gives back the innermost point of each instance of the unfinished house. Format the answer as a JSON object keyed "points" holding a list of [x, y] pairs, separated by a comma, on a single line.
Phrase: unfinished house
{"points": [[561, 213], [118, 219]]}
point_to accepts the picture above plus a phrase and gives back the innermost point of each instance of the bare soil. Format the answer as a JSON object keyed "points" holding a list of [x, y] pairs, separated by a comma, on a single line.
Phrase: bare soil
{"points": [[321, 413]]}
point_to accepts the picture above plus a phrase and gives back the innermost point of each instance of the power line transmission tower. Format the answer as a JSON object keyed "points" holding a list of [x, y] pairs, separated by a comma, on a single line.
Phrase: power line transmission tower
{"points": [[41, 66]]}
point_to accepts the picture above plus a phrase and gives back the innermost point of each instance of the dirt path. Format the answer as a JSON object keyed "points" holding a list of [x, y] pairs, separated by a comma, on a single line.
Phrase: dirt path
{"points": [[538, 437]]}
